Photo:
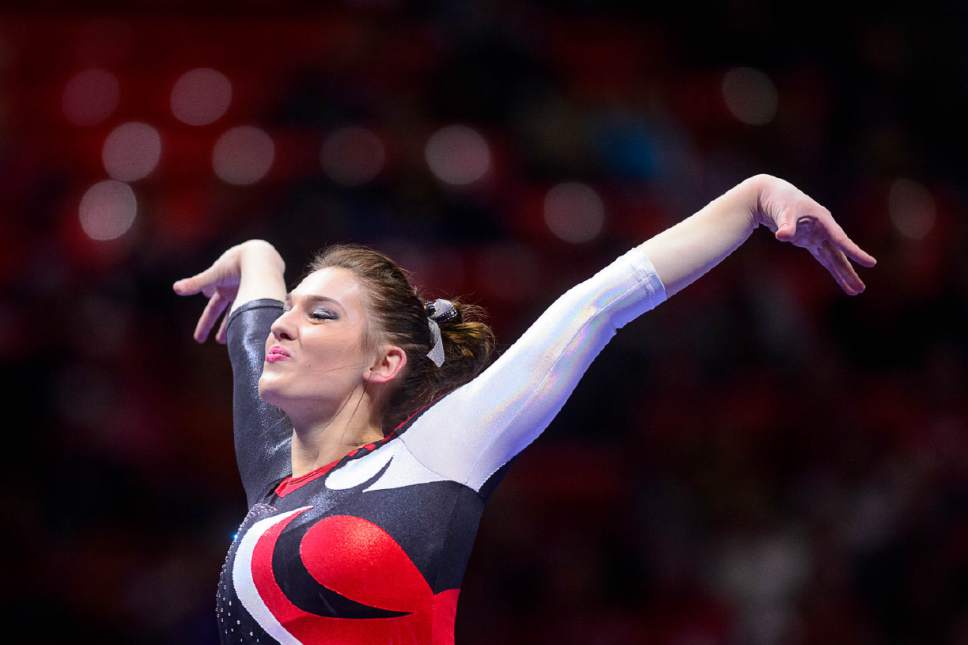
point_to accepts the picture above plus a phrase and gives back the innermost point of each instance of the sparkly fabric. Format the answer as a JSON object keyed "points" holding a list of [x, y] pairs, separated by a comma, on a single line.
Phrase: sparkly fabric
{"points": [[262, 432], [372, 548]]}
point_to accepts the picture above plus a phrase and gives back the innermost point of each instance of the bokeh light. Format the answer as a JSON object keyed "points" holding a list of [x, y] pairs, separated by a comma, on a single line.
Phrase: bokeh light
{"points": [[107, 210], [243, 155], [734, 527], [131, 152], [911, 208], [574, 212], [201, 96], [90, 97], [750, 95], [352, 156], [458, 155]]}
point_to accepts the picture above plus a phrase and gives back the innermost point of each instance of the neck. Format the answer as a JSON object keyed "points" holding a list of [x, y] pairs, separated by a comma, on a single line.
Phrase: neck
{"points": [[319, 440]]}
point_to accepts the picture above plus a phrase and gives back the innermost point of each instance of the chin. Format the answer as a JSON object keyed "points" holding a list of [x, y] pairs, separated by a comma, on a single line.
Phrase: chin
{"points": [[270, 394]]}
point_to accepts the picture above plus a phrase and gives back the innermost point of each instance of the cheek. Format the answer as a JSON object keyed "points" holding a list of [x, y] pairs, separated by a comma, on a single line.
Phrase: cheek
{"points": [[333, 353]]}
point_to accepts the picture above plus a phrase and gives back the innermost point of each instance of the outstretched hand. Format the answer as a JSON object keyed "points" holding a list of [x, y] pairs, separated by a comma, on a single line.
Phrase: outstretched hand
{"points": [[220, 283], [796, 218]]}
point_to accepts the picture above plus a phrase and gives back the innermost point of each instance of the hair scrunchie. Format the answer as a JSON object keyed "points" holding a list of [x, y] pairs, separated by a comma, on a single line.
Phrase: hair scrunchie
{"points": [[439, 310]]}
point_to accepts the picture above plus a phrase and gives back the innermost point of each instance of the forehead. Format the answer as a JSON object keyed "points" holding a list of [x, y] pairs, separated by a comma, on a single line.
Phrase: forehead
{"points": [[332, 282]]}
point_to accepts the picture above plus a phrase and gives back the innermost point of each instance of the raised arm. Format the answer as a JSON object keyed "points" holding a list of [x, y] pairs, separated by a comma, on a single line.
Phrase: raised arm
{"points": [[473, 431], [684, 252], [248, 280]]}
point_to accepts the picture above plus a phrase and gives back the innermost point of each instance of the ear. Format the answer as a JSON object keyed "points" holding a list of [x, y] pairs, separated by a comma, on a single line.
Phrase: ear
{"points": [[387, 366]]}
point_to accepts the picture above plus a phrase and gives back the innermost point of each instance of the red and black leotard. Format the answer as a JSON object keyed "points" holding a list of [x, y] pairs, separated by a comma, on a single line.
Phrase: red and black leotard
{"points": [[372, 548]]}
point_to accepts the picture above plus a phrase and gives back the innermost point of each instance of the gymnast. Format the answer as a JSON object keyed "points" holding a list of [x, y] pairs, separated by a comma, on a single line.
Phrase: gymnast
{"points": [[370, 427]]}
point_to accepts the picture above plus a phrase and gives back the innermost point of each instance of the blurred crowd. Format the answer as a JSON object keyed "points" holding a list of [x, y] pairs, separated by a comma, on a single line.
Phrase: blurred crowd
{"points": [[761, 460]]}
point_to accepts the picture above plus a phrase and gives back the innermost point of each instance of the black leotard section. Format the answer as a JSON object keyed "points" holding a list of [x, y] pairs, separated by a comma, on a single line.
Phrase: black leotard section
{"points": [[263, 433]]}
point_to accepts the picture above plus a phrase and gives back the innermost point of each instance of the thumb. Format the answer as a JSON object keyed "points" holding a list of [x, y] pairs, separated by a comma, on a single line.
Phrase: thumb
{"points": [[787, 230]]}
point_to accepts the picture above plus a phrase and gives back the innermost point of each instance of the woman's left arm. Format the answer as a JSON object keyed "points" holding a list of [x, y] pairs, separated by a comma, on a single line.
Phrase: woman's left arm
{"points": [[473, 431], [683, 253]]}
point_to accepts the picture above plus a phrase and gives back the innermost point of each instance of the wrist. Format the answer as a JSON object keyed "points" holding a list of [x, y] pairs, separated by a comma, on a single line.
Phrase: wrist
{"points": [[260, 252], [750, 197], [741, 203]]}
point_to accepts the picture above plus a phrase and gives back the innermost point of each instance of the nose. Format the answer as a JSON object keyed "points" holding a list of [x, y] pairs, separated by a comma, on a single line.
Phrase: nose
{"points": [[283, 328]]}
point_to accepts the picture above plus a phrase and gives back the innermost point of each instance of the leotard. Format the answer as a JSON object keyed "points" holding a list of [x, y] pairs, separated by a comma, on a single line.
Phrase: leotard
{"points": [[372, 548]]}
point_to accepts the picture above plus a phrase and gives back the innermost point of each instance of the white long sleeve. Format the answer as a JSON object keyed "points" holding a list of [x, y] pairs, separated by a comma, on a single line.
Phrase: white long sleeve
{"points": [[480, 426]]}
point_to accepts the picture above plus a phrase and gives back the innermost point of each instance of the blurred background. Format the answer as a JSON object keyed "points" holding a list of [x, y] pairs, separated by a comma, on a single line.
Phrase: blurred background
{"points": [[761, 460]]}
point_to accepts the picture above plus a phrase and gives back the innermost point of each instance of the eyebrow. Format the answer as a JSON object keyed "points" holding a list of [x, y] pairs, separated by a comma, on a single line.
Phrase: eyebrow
{"points": [[314, 298]]}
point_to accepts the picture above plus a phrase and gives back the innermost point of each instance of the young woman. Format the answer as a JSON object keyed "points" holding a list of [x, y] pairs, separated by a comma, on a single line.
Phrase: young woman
{"points": [[369, 435]]}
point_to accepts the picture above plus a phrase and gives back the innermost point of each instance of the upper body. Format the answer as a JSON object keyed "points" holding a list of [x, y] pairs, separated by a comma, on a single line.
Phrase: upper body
{"points": [[370, 546]]}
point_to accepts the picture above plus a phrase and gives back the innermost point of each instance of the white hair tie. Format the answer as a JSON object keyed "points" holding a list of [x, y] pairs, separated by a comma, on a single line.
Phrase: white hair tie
{"points": [[443, 311], [436, 353]]}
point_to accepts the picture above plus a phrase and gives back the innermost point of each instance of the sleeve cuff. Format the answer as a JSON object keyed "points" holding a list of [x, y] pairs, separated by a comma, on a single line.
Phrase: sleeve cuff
{"points": [[647, 276], [261, 303]]}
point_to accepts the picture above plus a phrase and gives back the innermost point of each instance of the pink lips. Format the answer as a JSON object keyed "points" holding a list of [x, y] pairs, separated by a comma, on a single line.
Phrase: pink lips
{"points": [[276, 353]]}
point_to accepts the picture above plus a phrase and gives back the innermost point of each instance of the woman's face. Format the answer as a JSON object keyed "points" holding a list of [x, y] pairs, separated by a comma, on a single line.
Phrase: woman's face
{"points": [[314, 352]]}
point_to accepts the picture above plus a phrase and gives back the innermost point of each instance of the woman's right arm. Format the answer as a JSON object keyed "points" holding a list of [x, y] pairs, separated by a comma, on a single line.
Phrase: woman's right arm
{"points": [[248, 281], [249, 271]]}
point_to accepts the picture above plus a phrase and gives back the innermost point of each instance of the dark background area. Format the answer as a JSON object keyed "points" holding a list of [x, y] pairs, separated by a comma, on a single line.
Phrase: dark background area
{"points": [[760, 460]]}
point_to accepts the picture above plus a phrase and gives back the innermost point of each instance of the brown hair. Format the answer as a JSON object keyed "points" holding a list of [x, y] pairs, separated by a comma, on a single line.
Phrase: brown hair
{"points": [[398, 316]]}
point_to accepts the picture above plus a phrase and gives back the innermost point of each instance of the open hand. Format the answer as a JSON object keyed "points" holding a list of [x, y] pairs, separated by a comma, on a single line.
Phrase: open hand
{"points": [[220, 283], [796, 218]]}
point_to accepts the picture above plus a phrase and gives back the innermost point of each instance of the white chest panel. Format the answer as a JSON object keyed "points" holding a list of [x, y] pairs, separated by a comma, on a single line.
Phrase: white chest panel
{"points": [[403, 470]]}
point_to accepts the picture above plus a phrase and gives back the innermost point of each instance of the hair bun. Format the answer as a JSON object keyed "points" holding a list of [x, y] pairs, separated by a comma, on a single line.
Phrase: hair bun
{"points": [[442, 311]]}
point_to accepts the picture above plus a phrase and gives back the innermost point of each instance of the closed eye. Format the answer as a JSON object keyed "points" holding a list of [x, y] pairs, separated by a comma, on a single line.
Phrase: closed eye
{"points": [[317, 314]]}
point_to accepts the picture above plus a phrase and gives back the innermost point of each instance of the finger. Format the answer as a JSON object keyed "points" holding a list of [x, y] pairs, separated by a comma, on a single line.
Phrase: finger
{"points": [[786, 227], [823, 257], [221, 336], [857, 254], [194, 284], [786, 232], [836, 232], [216, 305], [847, 277], [840, 261]]}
